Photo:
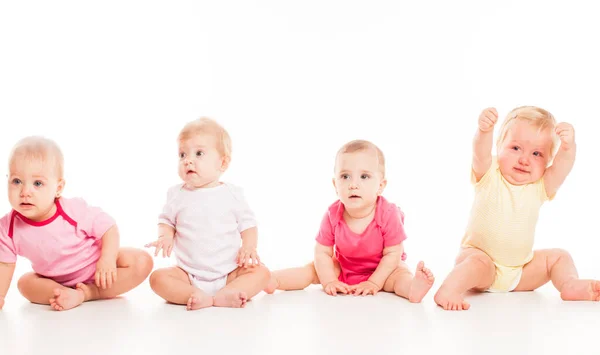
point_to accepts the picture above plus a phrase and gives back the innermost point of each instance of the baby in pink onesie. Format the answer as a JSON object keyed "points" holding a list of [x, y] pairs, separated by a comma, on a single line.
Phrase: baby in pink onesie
{"points": [[359, 247], [73, 247]]}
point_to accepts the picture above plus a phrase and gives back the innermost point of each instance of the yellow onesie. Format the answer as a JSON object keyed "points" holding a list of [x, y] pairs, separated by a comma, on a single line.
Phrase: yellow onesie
{"points": [[502, 224]]}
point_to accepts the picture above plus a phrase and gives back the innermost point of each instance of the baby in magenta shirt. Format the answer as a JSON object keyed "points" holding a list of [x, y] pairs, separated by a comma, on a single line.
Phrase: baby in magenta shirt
{"points": [[359, 245], [73, 247]]}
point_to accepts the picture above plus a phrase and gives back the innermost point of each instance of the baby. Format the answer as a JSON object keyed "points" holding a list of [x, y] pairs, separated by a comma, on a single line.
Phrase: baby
{"points": [[359, 247], [204, 222], [73, 247], [497, 249]]}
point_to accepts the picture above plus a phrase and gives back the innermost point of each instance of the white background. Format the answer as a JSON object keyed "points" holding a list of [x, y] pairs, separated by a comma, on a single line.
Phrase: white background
{"points": [[113, 82]]}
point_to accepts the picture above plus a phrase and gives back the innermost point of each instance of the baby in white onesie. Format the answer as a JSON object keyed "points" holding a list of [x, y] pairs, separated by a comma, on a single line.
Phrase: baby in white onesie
{"points": [[209, 226]]}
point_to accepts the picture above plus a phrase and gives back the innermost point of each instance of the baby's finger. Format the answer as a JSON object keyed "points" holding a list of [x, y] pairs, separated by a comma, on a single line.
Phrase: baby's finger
{"points": [[109, 279], [152, 244], [103, 279], [170, 249], [158, 248], [97, 278], [115, 274]]}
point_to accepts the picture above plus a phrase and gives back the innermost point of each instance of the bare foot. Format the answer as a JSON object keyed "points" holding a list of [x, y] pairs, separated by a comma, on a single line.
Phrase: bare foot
{"points": [[450, 301], [199, 299], [272, 285], [66, 298], [421, 283], [230, 298], [581, 290]]}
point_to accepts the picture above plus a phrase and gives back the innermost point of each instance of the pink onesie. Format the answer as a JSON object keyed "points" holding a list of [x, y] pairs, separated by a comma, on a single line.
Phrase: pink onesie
{"points": [[359, 255], [64, 248]]}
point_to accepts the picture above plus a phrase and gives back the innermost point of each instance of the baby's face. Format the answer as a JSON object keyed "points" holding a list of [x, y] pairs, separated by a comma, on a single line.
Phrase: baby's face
{"points": [[200, 164], [524, 154], [358, 180], [32, 187]]}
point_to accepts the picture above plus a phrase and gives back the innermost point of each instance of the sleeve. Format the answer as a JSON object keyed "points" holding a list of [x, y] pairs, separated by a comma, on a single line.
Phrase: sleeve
{"points": [[90, 219], [8, 253], [325, 236], [393, 228], [485, 177], [168, 215], [243, 213]]}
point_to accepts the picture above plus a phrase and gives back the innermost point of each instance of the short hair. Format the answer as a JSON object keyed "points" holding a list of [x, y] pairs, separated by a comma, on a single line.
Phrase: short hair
{"points": [[38, 148], [208, 126], [536, 116], [363, 145]]}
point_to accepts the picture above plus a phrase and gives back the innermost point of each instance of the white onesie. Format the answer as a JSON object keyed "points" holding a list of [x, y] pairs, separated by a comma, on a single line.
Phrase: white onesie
{"points": [[208, 223]]}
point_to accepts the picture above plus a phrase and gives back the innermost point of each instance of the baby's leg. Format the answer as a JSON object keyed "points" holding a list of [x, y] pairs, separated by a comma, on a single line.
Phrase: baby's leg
{"points": [[556, 265], [242, 285], [402, 282], [42, 290], [473, 270], [173, 284], [133, 266], [297, 278]]}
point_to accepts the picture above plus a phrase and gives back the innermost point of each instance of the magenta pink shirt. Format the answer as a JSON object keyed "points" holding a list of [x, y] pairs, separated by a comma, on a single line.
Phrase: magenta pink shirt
{"points": [[360, 254], [64, 247]]}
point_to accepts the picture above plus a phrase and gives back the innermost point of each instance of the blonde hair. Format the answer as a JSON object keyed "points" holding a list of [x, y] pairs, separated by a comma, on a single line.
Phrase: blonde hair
{"points": [[360, 146], [208, 126], [536, 116], [37, 148]]}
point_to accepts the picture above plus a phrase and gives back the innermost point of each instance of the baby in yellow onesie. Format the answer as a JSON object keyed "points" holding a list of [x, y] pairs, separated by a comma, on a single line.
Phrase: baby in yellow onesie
{"points": [[497, 248]]}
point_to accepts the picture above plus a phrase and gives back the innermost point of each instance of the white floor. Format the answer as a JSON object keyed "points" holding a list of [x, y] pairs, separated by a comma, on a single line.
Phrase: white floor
{"points": [[305, 322]]}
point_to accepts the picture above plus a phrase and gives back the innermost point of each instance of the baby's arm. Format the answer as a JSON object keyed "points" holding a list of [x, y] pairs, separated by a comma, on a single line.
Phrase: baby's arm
{"points": [[247, 255], [106, 267], [326, 271], [482, 142], [564, 160], [6, 274], [388, 263], [166, 234]]}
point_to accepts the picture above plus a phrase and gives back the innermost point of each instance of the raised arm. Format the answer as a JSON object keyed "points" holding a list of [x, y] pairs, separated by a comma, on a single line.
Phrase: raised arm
{"points": [[482, 142], [564, 160]]}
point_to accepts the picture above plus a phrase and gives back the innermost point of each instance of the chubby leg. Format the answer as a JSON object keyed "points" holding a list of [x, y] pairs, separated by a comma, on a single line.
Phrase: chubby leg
{"points": [[297, 278], [402, 282], [173, 284], [242, 285], [41, 290], [474, 269], [133, 267], [556, 265]]}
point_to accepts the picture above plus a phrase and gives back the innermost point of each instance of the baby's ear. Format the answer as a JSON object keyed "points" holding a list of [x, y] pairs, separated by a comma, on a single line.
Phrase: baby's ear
{"points": [[382, 186], [60, 188], [225, 163]]}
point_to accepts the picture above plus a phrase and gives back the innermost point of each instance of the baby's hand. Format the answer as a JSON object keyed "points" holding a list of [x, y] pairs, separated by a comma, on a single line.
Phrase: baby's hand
{"points": [[106, 273], [488, 119], [365, 288], [336, 286], [163, 242], [566, 133], [247, 257]]}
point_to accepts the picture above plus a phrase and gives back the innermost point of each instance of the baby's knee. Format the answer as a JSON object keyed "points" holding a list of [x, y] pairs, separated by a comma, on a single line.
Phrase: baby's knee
{"points": [[560, 253], [262, 271], [481, 262], [142, 263], [24, 282]]}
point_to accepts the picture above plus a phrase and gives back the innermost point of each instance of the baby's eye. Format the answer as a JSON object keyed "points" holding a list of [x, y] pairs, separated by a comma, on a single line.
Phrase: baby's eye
{"points": [[181, 155], [515, 148], [15, 181], [38, 183], [364, 176], [345, 176], [537, 154], [199, 153]]}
